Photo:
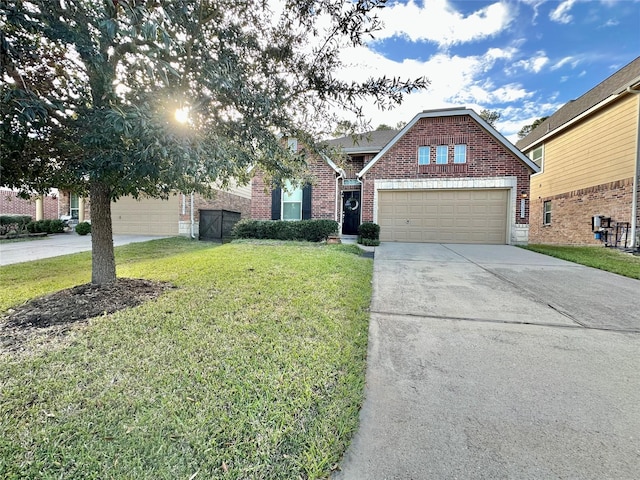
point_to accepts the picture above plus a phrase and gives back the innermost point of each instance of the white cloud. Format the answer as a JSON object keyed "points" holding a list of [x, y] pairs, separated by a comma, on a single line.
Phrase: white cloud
{"points": [[438, 21], [570, 60], [561, 13], [455, 81], [534, 64]]}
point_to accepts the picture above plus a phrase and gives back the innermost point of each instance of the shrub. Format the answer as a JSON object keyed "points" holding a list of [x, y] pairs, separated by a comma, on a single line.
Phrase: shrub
{"points": [[83, 228], [309, 230], [13, 224], [56, 226], [369, 242], [369, 230]]}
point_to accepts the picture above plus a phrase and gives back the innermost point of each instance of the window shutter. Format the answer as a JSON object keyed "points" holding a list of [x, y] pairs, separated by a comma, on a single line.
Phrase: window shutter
{"points": [[306, 202], [276, 195]]}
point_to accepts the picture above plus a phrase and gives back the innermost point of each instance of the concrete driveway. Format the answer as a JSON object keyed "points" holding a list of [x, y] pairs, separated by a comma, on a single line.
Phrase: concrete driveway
{"points": [[56, 245], [496, 362]]}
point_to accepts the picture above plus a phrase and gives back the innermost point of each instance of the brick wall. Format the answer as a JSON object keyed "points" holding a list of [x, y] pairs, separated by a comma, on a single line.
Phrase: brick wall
{"points": [[486, 157], [323, 193], [11, 204], [221, 201], [571, 213]]}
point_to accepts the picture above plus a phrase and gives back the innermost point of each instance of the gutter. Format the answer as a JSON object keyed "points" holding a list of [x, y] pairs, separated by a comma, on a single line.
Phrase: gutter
{"points": [[635, 192], [193, 236]]}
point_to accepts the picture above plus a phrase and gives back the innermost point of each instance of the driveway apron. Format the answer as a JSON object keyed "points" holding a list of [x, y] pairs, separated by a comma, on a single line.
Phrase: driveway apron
{"points": [[497, 362]]}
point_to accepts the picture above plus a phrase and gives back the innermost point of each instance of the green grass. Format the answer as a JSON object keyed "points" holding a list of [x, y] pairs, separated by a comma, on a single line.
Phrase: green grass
{"points": [[608, 259], [252, 368]]}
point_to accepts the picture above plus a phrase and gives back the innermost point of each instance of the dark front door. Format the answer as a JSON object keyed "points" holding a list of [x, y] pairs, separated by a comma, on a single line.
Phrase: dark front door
{"points": [[350, 212]]}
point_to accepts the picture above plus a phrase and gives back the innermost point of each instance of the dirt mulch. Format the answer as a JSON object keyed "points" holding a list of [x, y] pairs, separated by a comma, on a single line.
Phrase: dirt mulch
{"points": [[52, 316]]}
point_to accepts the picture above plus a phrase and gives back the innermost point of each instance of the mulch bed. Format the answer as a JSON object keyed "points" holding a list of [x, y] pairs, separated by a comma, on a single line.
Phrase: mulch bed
{"points": [[52, 315]]}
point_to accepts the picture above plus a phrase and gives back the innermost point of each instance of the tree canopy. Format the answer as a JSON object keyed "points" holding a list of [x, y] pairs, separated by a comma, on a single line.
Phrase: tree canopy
{"points": [[490, 116], [527, 129], [90, 91]]}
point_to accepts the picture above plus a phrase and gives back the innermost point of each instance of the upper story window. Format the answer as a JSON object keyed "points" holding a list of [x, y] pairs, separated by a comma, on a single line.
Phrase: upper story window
{"points": [[423, 155], [292, 143], [537, 155], [291, 202], [460, 154], [442, 154]]}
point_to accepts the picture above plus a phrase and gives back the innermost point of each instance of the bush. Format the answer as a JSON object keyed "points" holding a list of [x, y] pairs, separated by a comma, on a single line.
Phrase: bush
{"points": [[13, 224], [368, 230], [56, 226], [307, 230], [369, 242], [83, 228]]}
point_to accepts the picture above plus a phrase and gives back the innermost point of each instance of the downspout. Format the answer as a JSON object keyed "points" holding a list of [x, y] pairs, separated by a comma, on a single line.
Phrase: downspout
{"points": [[337, 211], [192, 219], [634, 200]]}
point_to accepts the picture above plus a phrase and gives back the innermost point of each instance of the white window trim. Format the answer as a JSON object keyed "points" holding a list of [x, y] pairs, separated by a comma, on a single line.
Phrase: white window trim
{"points": [[530, 155], [284, 190], [428, 148], [455, 147], [544, 212], [446, 158]]}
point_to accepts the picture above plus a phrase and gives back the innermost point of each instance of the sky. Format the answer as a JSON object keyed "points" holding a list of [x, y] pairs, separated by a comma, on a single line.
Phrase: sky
{"points": [[522, 58]]}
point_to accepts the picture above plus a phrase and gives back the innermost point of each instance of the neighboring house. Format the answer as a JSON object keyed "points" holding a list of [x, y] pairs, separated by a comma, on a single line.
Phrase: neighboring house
{"points": [[589, 155], [178, 215], [447, 176], [12, 204]]}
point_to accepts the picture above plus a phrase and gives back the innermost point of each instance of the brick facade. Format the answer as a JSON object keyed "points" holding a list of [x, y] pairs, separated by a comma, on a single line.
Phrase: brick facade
{"points": [[486, 158], [571, 213], [221, 201], [11, 204], [323, 193]]}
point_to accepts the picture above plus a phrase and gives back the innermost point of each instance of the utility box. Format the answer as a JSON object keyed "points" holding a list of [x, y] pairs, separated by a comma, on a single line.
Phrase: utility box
{"points": [[600, 222]]}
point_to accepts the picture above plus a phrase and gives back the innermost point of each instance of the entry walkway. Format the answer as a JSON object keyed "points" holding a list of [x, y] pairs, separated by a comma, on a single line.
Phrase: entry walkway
{"points": [[56, 245]]}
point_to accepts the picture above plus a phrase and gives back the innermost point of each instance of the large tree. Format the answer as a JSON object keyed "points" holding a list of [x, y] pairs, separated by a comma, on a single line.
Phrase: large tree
{"points": [[90, 89]]}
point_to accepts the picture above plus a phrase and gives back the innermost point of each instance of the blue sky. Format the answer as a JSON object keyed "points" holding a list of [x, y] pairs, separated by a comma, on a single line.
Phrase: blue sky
{"points": [[524, 58]]}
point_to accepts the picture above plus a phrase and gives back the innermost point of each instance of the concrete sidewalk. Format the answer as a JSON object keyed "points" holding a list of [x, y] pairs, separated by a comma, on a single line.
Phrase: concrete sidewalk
{"points": [[56, 245], [492, 362]]}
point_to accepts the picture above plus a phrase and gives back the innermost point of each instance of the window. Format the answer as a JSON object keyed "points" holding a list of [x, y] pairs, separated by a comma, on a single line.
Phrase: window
{"points": [[291, 202], [423, 155], [74, 206], [292, 143], [546, 215], [537, 155], [460, 154], [442, 152]]}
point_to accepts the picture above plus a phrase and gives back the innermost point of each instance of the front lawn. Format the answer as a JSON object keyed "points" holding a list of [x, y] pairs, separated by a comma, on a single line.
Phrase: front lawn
{"points": [[252, 368], [608, 259]]}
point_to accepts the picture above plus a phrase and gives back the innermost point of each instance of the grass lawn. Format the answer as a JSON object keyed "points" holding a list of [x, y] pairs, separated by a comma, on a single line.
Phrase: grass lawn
{"points": [[608, 259], [252, 368]]}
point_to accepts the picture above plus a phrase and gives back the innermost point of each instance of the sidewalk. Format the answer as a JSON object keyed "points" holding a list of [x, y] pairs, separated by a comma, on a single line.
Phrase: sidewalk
{"points": [[56, 245]]}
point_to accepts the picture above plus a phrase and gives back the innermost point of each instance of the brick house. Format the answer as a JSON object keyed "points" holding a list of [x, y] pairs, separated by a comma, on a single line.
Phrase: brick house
{"points": [[12, 204], [589, 157], [447, 176]]}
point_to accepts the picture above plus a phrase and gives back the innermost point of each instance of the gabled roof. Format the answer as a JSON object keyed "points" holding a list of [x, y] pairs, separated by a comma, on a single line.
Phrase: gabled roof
{"points": [[370, 142], [608, 90], [451, 112]]}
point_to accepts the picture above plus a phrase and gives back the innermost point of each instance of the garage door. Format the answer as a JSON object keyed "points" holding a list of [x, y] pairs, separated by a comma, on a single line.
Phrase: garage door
{"points": [[147, 216], [443, 216]]}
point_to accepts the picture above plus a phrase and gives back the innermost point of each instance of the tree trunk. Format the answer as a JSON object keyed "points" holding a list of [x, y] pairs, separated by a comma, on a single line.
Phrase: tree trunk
{"points": [[103, 262]]}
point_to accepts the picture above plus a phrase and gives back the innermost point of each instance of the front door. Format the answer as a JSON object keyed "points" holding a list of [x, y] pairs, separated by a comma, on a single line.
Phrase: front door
{"points": [[350, 212]]}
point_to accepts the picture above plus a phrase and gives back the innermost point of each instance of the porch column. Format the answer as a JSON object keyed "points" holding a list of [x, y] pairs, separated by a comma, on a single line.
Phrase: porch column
{"points": [[39, 208], [80, 209]]}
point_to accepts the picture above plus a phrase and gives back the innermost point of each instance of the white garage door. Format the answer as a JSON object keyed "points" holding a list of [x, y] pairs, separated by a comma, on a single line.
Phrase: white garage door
{"points": [[146, 216], [443, 216]]}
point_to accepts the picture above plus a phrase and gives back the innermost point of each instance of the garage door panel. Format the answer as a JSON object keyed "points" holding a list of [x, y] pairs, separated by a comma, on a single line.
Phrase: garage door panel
{"points": [[146, 216], [443, 216]]}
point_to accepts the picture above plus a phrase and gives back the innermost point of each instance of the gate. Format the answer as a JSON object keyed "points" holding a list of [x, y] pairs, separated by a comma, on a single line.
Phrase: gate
{"points": [[217, 224]]}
